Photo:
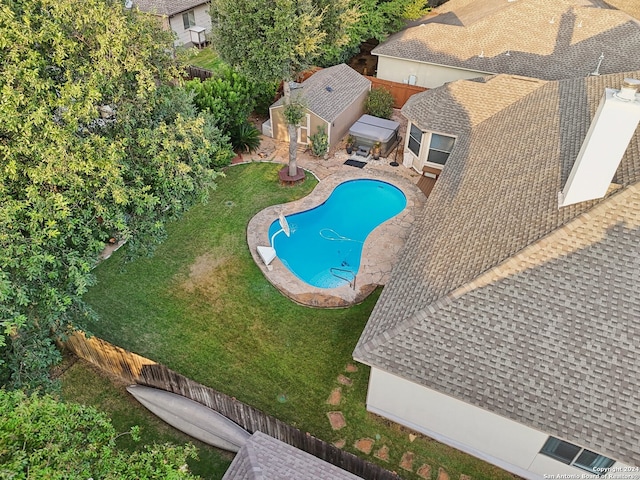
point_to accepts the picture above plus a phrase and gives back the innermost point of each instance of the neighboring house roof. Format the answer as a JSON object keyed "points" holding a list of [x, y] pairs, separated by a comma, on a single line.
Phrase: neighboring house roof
{"points": [[167, 7], [331, 91], [500, 298], [264, 458], [547, 39], [632, 7]]}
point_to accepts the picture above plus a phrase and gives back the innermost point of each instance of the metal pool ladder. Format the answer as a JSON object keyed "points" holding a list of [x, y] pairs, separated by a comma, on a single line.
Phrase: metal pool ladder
{"points": [[352, 283]]}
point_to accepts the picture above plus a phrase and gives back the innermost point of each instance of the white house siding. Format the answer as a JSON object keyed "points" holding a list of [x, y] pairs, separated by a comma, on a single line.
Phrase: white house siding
{"points": [[202, 17], [417, 162], [427, 74], [498, 440], [412, 160]]}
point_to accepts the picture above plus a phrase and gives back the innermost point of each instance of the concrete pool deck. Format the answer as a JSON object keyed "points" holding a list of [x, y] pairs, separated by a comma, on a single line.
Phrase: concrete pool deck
{"points": [[381, 248]]}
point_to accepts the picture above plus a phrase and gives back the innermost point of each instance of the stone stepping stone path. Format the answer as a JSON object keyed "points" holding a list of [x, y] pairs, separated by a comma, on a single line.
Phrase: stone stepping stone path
{"points": [[365, 445], [335, 397], [382, 453], [442, 474], [336, 419], [424, 471], [406, 462]]}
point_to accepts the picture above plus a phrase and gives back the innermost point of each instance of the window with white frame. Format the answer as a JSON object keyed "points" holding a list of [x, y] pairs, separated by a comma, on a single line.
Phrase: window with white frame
{"points": [[571, 454], [439, 148], [415, 139], [189, 19]]}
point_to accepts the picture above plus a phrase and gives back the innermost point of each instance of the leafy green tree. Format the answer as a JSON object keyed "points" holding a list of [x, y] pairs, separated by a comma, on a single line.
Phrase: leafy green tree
{"points": [[229, 96], [338, 17], [41, 437], [270, 41], [379, 18], [94, 143]]}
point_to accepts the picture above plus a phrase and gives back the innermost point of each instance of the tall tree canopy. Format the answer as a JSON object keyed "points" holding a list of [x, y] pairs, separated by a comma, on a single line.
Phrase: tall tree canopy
{"points": [[273, 40], [94, 143], [41, 437]]}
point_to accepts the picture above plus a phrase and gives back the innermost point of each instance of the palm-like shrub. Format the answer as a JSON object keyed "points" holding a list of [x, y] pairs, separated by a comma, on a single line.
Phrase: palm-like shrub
{"points": [[320, 142], [245, 138]]}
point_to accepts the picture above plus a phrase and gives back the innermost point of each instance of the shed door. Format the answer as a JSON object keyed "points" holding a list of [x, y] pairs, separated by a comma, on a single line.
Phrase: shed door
{"points": [[303, 130]]}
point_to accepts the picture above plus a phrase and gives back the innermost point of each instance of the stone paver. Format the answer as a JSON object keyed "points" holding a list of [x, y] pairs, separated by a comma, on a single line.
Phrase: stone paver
{"points": [[382, 453], [425, 471], [364, 445], [464, 477], [336, 419], [342, 380], [335, 396], [351, 368], [340, 443], [406, 462], [442, 474]]}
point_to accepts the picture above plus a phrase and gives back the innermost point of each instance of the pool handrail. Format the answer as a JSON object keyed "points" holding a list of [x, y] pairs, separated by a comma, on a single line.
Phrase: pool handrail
{"points": [[352, 283]]}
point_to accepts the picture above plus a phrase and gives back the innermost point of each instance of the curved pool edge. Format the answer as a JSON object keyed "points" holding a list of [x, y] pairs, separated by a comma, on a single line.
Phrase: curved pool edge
{"points": [[380, 251]]}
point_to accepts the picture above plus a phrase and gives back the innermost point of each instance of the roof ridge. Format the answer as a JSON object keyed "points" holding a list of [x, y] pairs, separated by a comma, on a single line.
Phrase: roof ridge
{"points": [[501, 270], [498, 271], [252, 455]]}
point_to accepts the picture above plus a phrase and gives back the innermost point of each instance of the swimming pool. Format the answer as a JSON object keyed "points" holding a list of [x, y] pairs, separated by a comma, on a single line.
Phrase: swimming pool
{"points": [[325, 246]]}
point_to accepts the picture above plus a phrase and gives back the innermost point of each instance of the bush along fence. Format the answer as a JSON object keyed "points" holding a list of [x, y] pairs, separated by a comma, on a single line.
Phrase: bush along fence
{"points": [[137, 369], [400, 91]]}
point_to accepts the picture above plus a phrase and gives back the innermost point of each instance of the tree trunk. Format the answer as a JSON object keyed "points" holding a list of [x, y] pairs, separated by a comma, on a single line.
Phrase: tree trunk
{"points": [[293, 150], [293, 134]]}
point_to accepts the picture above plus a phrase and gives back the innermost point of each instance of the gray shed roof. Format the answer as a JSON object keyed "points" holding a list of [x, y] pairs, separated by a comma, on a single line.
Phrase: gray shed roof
{"points": [[265, 458], [501, 299], [547, 39], [331, 91], [167, 7]]}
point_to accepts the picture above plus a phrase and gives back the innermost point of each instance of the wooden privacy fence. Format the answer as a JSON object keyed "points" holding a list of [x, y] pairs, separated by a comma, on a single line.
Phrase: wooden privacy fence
{"points": [[191, 72], [400, 91], [137, 369]]}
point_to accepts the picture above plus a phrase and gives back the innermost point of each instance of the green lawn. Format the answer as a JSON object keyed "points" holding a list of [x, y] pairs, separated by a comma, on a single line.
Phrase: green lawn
{"points": [[203, 308], [205, 58]]}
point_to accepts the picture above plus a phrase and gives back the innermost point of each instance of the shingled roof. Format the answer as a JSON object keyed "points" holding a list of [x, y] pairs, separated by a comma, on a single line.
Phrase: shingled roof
{"points": [[632, 7], [505, 301], [167, 7], [263, 458], [547, 39], [331, 91]]}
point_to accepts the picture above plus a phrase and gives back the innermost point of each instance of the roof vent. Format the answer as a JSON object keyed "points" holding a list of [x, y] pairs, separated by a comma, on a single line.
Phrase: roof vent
{"points": [[328, 89], [610, 132]]}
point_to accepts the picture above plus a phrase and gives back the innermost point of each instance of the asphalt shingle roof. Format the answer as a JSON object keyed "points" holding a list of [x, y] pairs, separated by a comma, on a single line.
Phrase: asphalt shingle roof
{"points": [[331, 91], [265, 458], [167, 7], [547, 39], [505, 301]]}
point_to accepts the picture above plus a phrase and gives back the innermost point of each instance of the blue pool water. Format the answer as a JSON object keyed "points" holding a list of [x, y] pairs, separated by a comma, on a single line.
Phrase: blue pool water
{"points": [[326, 241]]}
